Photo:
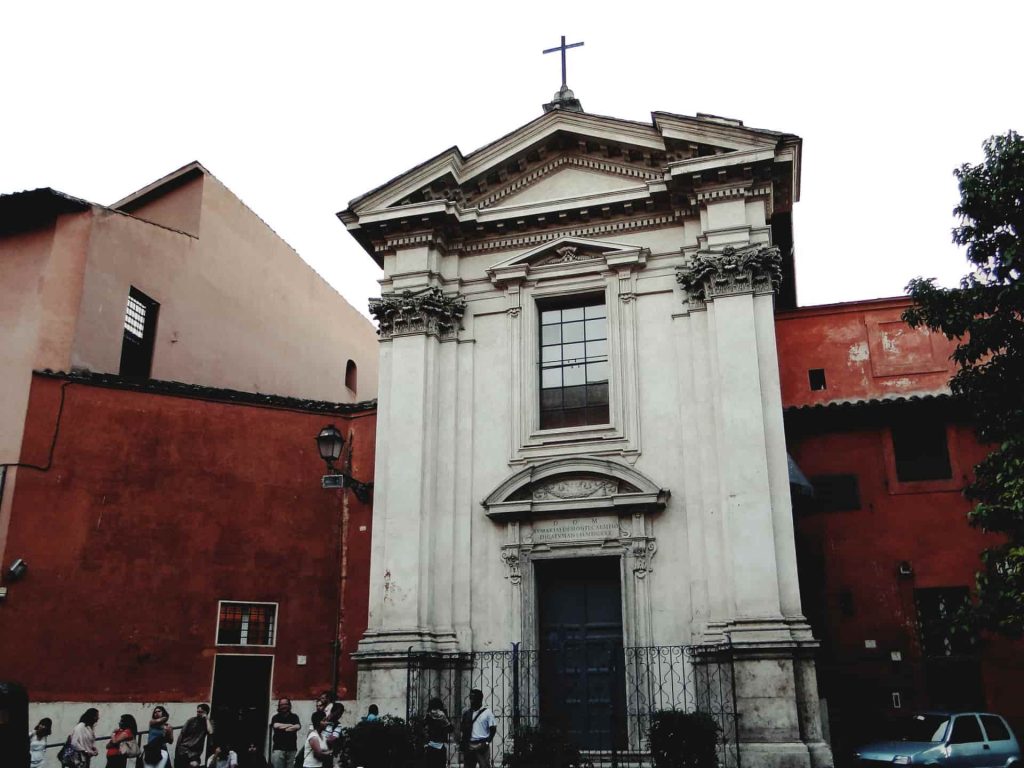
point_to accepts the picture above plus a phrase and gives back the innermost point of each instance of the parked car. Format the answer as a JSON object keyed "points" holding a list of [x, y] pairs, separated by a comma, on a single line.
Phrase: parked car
{"points": [[955, 739]]}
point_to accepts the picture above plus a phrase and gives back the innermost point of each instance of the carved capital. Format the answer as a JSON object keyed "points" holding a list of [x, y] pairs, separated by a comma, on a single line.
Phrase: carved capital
{"points": [[750, 269], [427, 312]]}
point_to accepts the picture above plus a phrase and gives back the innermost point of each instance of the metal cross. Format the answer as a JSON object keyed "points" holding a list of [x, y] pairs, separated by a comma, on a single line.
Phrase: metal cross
{"points": [[563, 48]]}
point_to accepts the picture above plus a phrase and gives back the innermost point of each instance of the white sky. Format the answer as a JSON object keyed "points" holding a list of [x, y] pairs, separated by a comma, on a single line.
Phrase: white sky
{"points": [[301, 107]]}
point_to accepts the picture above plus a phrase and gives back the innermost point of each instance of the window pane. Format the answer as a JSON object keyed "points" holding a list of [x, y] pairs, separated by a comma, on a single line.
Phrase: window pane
{"points": [[597, 349], [551, 377], [966, 730], [577, 417], [551, 334], [575, 397], [994, 728], [572, 332], [573, 352], [597, 394], [570, 315], [597, 329], [597, 414], [550, 398], [597, 310], [550, 316], [552, 354], [552, 419], [921, 451], [597, 372], [573, 375]]}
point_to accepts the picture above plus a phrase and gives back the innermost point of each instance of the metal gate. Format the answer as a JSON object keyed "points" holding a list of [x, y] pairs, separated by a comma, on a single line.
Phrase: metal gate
{"points": [[675, 678]]}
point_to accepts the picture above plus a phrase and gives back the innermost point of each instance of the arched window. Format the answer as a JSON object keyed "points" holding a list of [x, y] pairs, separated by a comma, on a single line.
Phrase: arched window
{"points": [[350, 376]]}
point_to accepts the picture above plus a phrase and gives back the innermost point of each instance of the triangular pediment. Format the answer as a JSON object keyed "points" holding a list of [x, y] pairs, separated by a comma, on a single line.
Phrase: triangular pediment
{"points": [[565, 177], [572, 253]]}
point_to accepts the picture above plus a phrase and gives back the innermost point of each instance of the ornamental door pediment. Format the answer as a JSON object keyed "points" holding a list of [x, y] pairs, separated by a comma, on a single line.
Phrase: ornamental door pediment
{"points": [[573, 253], [567, 486]]}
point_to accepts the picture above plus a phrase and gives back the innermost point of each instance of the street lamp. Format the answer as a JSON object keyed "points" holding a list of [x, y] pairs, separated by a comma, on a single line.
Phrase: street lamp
{"points": [[330, 443]]}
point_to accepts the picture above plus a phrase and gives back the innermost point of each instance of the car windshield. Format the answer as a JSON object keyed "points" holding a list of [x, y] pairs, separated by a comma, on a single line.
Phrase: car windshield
{"points": [[922, 728]]}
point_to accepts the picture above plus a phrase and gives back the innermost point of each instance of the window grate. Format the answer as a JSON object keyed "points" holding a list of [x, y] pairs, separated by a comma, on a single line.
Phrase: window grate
{"points": [[135, 317], [246, 623]]}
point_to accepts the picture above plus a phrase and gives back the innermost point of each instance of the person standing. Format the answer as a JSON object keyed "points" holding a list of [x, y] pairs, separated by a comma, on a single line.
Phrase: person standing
{"points": [[37, 743], [438, 727], [159, 727], [82, 741], [315, 748], [333, 733], [478, 729], [284, 727], [192, 739], [126, 733]]}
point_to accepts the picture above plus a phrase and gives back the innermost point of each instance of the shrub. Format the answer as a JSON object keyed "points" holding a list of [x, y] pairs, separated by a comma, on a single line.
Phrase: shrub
{"points": [[683, 740], [544, 748], [388, 742]]}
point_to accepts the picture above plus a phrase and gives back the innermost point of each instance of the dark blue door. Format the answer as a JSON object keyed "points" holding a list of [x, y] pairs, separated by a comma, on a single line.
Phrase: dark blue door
{"points": [[581, 671]]}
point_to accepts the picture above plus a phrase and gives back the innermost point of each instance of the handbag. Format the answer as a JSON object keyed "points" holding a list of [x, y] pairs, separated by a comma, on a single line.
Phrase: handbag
{"points": [[130, 748]]}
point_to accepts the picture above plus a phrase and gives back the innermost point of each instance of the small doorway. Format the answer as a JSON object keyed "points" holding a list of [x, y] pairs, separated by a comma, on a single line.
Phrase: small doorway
{"points": [[582, 681], [241, 699]]}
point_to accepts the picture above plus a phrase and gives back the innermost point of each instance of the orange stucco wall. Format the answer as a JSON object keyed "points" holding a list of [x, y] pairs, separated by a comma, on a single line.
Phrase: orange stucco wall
{"points": [[155, 508]]}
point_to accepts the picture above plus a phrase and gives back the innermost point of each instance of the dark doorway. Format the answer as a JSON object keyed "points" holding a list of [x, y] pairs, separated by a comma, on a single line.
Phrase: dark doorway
{"points": [[241, 700], [582, 685]]}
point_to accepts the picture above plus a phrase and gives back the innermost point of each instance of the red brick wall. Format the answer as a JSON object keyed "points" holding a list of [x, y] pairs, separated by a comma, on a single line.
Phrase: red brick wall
{"points": [[155, 508]]}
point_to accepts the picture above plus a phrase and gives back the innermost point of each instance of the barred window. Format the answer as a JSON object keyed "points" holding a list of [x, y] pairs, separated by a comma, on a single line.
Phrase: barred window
{"points": [[139, 335], [573, 363], [246, 623]]}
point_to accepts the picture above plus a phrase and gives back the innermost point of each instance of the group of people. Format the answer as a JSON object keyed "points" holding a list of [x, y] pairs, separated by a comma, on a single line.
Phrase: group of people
{"points": [[322, 743], [125, 748], [320, 747]]}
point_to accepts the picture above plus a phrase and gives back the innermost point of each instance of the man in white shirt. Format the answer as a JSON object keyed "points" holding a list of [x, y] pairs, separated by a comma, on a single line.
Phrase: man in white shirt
{"points": [[478, 729]]}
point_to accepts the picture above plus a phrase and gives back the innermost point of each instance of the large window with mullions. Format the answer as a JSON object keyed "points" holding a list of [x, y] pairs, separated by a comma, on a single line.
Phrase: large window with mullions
{"points": [[573, 362]]}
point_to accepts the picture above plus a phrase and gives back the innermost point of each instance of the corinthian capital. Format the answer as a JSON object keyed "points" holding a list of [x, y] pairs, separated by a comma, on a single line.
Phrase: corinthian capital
{"points": [[425, 312], [748, 269]]}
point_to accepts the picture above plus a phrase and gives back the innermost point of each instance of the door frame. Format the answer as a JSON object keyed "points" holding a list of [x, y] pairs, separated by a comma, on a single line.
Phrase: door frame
{"points": [[270, 686]]}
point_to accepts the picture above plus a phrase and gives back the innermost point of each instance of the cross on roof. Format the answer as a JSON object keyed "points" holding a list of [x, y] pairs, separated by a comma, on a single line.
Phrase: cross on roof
{"points": [[563, 48]]}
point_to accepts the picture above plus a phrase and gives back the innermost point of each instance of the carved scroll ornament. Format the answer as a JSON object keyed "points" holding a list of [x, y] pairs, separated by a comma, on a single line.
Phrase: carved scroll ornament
{"points": [[753, 268], [408, 313]]}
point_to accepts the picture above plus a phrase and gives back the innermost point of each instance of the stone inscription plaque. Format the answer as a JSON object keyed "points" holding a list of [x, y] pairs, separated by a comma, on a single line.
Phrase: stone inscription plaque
{"points": [[575, 529]]}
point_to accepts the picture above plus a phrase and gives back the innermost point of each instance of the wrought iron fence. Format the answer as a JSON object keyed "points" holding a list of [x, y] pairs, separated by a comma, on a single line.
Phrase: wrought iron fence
{"points": [[622, 689]]}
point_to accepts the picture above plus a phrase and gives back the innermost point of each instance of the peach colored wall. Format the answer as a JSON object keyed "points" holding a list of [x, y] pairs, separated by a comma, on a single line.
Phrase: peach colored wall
{"points": [[126, 252], [179, 210], [238, 307]]}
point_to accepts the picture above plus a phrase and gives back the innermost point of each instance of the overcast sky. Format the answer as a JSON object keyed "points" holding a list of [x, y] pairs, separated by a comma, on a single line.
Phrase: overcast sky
{"points": [[300, 107]]}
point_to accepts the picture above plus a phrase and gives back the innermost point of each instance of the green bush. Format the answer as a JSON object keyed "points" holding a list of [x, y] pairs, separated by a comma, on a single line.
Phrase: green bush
{"points": [[543, 748], [683, 740], [389, 742]]}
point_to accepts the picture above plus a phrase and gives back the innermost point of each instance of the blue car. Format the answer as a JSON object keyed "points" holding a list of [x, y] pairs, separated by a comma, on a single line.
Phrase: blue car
{"points": [[955, 739]]}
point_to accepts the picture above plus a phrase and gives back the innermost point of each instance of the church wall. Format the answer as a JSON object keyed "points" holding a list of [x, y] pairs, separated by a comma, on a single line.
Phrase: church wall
{"points": [[156, 507]]}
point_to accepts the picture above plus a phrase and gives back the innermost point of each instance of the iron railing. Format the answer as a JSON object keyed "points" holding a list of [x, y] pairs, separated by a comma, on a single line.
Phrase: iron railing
{"points": [[608, 714]]}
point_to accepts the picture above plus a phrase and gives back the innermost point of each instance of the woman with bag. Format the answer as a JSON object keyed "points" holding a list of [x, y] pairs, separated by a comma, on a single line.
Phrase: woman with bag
{"points": [[315, 749], [123, 743], [81, 745]]}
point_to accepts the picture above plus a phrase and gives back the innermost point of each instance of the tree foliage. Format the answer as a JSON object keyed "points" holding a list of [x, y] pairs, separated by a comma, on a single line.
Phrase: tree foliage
{"points": [[985, 315]]}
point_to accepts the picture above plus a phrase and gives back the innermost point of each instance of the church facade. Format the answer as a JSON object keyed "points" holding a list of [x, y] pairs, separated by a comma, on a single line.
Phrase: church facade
{"points": [[580, 445]]}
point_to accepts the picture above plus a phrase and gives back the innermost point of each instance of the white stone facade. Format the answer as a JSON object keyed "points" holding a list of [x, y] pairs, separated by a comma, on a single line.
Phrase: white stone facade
{"points": [[687, 483]]}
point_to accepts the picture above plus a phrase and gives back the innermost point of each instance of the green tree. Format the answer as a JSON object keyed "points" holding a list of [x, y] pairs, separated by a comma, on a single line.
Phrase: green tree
{"points": [[985, 315]]}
